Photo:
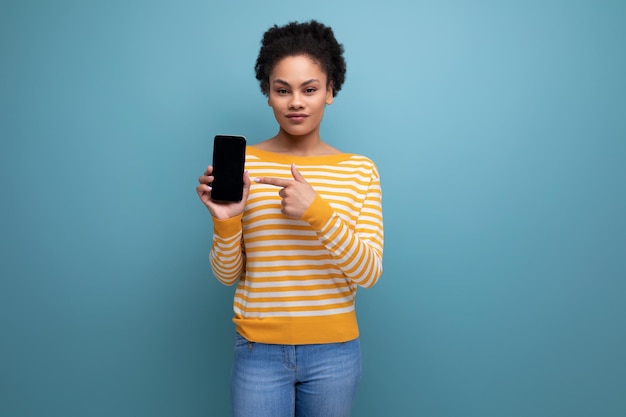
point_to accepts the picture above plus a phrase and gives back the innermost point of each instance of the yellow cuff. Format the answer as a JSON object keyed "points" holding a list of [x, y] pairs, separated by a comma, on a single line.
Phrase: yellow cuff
{"points": [[227, 227], [318, 213]]}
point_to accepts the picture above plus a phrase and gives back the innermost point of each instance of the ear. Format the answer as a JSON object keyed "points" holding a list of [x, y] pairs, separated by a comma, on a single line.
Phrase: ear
{"points": [[329, 93]]}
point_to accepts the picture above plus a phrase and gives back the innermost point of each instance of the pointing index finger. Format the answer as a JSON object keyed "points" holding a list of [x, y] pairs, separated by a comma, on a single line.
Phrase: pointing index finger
{"points": [[278, 182]]}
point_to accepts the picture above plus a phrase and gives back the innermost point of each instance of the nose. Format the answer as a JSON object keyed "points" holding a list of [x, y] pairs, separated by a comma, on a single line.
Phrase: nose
{"points": [[296, 101]]}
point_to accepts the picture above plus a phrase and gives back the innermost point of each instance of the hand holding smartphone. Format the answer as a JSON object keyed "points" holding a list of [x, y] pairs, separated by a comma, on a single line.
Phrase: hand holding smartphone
{"points": [[229, 153]]}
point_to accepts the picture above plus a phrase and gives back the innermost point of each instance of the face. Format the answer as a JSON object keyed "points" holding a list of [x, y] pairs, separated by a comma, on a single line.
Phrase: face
{"points": [[298, 93]]}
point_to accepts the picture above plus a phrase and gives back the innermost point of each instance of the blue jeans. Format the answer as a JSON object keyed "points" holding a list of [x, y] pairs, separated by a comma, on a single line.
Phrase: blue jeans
{"points": [[294, 380]]}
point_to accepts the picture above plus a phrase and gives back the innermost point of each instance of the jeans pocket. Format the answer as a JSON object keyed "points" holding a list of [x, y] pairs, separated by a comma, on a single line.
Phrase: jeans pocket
{"points": [[240, 341]]}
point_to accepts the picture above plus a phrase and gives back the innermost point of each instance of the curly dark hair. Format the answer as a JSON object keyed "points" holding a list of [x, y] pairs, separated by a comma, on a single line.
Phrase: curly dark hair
{"points": [[313, 39]]}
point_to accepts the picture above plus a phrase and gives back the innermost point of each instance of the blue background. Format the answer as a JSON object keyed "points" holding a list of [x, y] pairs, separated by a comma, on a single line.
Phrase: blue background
{"points": [[499, 128]]}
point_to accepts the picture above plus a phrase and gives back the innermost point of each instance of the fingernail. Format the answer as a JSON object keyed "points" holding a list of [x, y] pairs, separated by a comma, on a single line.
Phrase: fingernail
{"points": [[257, 180]]}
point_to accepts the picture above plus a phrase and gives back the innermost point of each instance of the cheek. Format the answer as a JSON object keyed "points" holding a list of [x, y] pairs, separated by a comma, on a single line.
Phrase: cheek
{"points": [[277, 113], [321, 108]]}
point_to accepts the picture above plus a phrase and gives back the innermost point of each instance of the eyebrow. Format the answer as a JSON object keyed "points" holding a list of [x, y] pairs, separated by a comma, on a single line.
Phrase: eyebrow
{"points": [[283, 82]]}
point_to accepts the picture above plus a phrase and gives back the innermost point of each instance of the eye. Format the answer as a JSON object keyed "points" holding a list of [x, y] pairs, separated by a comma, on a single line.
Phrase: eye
{"points": [[310, 90], [282, 91]]}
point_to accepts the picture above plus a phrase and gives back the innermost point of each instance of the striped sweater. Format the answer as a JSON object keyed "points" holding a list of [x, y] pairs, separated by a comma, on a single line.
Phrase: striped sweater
{"points": [[297, 279]]}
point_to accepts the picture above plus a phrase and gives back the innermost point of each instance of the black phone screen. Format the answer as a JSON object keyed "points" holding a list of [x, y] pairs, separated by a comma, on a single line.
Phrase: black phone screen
{"points": [[229, 154]]}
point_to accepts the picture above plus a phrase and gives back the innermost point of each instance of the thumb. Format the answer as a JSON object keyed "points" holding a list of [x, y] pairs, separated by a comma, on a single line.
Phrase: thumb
{"points": [[246, 185], [296, 174]]}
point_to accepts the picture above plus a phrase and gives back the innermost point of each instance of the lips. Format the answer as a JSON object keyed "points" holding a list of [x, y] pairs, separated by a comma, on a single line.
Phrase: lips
{"points": [[296, 117]]}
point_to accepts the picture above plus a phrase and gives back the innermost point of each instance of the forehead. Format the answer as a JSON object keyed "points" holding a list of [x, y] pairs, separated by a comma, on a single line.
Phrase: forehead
{"points": [[297, 67]]}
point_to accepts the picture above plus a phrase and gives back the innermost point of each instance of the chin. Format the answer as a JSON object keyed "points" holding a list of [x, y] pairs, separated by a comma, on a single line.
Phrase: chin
{"points": [[297, 132]]}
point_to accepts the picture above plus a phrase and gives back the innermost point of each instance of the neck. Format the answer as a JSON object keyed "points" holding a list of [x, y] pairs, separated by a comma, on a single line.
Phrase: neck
{"points": [[307, 145]]}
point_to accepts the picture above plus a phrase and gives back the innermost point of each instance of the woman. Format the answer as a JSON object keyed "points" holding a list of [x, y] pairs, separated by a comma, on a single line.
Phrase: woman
{"points": [[307, 232]]}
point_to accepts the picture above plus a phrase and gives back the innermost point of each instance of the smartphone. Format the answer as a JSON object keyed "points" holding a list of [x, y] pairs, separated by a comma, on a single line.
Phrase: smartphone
{"points": [[229, 153]]}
